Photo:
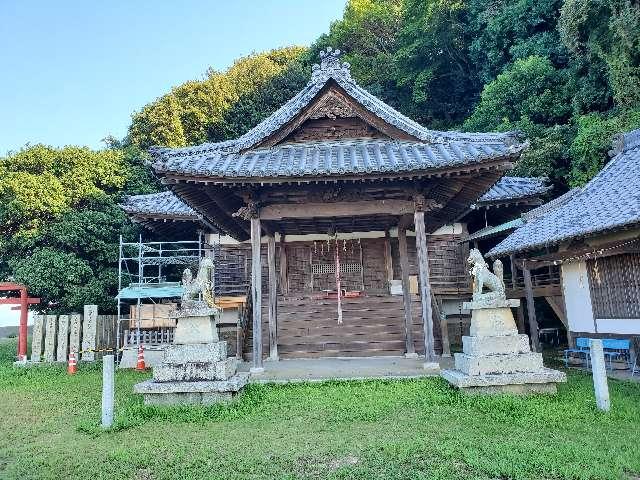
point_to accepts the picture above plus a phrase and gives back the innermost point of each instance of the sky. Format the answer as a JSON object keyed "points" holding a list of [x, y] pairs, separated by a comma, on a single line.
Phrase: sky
{"points": [[73, 72]]}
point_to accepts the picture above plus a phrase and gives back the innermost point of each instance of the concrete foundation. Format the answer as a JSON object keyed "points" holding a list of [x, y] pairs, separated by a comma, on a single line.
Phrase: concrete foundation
{"points": [[152, 356]]}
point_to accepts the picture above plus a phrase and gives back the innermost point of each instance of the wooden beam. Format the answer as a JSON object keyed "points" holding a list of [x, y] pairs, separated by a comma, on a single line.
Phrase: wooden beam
{"points": [[531, 309], [256, 295], [406, 294], [284, 267], [425, 287], [388, 260], [336, 209], [273, 298]]}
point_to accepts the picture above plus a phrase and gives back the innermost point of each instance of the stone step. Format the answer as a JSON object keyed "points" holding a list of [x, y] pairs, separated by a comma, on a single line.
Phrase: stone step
{"points": [[500, 345], [498, 364], [199, 393], [195, 353], [195, 372]]}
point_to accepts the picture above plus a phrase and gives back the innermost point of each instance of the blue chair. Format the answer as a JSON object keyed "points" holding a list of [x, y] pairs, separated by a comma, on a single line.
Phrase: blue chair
{"points": [[582, 348], [616, 348]]}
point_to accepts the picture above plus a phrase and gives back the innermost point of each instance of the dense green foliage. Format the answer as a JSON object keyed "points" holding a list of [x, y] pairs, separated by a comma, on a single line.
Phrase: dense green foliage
{"points": [[566, 73], [60, 221], [406, 429]]}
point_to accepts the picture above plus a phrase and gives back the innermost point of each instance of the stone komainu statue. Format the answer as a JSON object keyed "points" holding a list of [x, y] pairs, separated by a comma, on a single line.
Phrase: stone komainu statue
{"points": [[193, 287], [482, 277]]}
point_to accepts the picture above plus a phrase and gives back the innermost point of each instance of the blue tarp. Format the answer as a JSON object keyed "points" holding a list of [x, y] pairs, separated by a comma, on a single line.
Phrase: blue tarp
{"points": [[151, 290]]}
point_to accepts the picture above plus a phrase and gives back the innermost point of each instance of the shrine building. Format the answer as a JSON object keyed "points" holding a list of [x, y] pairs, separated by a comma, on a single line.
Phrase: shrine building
{"points": [[352, 217]]}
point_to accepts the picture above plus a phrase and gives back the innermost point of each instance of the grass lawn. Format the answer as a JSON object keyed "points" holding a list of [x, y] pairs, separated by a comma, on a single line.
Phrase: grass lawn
{"points": [[374, 429]]}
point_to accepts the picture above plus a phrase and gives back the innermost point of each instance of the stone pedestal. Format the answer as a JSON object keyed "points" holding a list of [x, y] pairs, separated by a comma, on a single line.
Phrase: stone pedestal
{"points": [[196, 374], [195, 369], [196, 329], [496, 359]]}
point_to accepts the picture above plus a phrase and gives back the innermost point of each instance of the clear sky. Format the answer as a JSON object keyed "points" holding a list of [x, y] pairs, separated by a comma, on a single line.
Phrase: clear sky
{"points": [[72, 71]]}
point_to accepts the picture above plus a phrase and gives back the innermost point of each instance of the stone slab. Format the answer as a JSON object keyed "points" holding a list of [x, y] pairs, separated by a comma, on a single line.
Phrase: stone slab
{"points": [[75, 327], [478, 304], [89, 322], [497, 364], [522, 389], [544, 375], [191, 330], [63, 338], [190, 372], [489, 322], [50, 338], [499, 345], [195, 353], [189, 398], [37, 338], [234, 384]]}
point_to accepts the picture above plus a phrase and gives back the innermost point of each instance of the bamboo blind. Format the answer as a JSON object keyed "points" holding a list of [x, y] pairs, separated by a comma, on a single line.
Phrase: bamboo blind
{"points": [[615, 286]]}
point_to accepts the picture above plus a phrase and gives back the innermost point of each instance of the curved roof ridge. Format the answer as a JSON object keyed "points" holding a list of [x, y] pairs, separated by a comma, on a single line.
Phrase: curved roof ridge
{"points": [[330, 68]]}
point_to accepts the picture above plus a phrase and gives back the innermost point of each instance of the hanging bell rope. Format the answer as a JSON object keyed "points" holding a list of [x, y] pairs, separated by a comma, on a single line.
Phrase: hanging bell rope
{"points": [[338, 286]]}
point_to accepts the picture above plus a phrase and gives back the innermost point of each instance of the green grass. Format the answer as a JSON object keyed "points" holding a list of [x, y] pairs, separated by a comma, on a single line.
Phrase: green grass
{"points": [[375, 429]]}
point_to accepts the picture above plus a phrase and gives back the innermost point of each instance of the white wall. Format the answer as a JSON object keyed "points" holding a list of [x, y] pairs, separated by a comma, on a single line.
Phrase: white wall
{"points": [[11, 318], [628, 326], [575, 284]]}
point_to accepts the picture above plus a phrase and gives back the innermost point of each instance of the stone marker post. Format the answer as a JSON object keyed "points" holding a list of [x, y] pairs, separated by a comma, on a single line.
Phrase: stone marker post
{"points": [[598, 368], [75, 325], [108, 390], [89, 322], [50, 338], [37, 338], [63, 338]]}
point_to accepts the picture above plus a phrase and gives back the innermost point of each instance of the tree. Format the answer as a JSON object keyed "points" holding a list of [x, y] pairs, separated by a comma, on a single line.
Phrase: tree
{"points": [[531, 88], [60, 220], [194, 112], [606, 32], [433, 67], [508, 30]]}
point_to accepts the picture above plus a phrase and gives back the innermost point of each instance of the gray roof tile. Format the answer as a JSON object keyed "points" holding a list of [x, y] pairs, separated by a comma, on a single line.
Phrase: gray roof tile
{"points": [[609, 202], [224, 158], [511, 188], [164, 203], [335, 158]]}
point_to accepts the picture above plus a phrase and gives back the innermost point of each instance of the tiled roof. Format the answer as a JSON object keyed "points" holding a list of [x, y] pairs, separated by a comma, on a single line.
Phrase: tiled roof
{"points": [[609, 202], [512, 188], [164, 203], [337, 157], [488, 232], [221, 157]]}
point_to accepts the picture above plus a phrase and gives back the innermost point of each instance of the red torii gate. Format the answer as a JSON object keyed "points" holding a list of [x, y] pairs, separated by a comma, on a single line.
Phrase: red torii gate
{"points": [[22, 303]]}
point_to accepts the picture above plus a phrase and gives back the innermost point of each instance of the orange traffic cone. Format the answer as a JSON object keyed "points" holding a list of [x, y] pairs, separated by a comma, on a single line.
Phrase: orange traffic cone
{"points": [[71, 368], [140, 366]]}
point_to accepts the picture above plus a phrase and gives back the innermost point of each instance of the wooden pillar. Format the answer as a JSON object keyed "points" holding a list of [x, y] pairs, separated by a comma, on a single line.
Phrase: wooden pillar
{"points": [[388, 261], [406, 293], [533, 321], [425, 286], [273, 298], [520, 318], [284, 267], [256, 295], [514, 271]]}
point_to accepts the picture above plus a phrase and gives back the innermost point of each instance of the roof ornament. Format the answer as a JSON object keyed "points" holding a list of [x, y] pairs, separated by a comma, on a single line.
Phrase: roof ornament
{"points": [[330, 66]]}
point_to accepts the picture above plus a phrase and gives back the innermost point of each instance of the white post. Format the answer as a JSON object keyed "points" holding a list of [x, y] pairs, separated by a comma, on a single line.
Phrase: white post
{"points": [[108, 388], [599, 371]]}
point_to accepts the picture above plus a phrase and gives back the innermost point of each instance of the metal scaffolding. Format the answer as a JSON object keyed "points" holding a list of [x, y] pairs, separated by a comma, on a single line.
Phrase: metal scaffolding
{"points": [[144, 272]]}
